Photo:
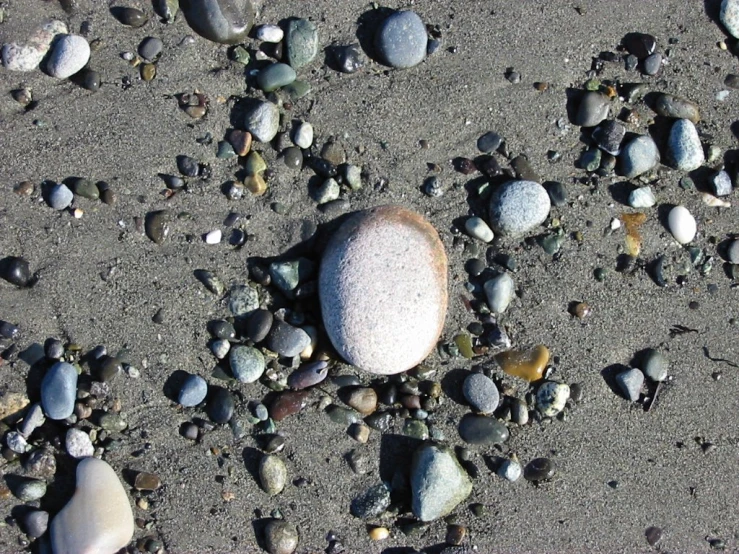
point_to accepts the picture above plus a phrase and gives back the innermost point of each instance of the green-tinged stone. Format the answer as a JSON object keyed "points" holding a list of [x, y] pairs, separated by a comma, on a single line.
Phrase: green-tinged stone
{"points": [[416, 429], [590, 159], [342, 416], [239, 54], [301, 41], [210, 281], [112, 422], [686, 183], [275, 76], [225, 150], [85, 188], [297, 89], [551, 243], [167, 9], [464, 343], [254, 164], [592, 84]]}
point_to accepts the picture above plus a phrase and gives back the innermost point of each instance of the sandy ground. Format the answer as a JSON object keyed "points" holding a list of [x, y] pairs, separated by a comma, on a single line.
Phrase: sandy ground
{"points": [[127, 137]]}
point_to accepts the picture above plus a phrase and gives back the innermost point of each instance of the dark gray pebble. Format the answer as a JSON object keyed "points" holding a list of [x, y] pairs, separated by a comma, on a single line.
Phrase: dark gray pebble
{"points": [[188, 166], [130, 16], [258, 325], [308, 375], [489, 142], [557, 192], [372, 502], [479, 429], [35, 523], [539, 469], [287, 340], [293, 157], [220, 407], [150, 48], [348, 59], [59, 391], [193, 391], [16, 271], [222, 329], [653, 64]]}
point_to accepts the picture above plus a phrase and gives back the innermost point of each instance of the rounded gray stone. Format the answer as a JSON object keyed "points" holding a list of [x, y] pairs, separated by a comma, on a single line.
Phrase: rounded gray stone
{"points": [[272, 474], [247, 363], [631, 382], [642, 197], [730, 16], [36, 522], [69, 55], [280, 537], [481, 393], [594, 108], [275, 76], [262, 120], [684, 147], [59, 391], [733, 252], [517, 207], [287, 340], [499, 292], [383, 289], [60, 197], [301, 42], [150, 48], [639, 156], [510, 470], [78, 444], [480, 429], [401, 40], [243, 300], [438, 482], [655, 365], [193, 391], [222, 21]]}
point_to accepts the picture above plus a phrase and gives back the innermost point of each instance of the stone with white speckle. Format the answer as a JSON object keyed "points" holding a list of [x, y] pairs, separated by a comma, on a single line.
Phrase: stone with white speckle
{"points": [[26, 56], [517, 207], [78, 444], [684, 146]]}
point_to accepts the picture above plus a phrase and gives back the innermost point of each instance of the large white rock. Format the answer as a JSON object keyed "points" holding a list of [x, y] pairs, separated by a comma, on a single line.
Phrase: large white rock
{"points": [[70, 54], [682, 224], [98, 518], [26, 56], [383, 289], [518, 207], [730, 16]]}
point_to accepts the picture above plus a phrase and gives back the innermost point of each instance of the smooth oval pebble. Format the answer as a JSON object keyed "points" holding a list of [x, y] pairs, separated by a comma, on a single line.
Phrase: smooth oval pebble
{"points": [[668, 105], [301, 42], [220, 406], [401, 40], [280, 537], [60, 197], [193, 391], [302, 135], [526, 364], [481, 393], [684, 147], [594, 108], [258, 325], [272, 474], [499, 292], [308, 375], [287, 340], [288, 403], [16, 271], [68, 56], [35, 523], [477, 228], [383, 289], [732, 252], [98, 517], [247, 363], [655, 365], [539, 469], [222, 21], [682, 224], [275, 76], [480, 429], [639, 156], [517, 207], [59, 391], [262, 120]]}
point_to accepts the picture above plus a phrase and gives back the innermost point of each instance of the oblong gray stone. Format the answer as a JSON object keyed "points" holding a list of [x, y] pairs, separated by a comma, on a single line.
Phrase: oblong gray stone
{"points": [[639, 156], [517, 207], [247, 363], [684, 147], [59, 391]]}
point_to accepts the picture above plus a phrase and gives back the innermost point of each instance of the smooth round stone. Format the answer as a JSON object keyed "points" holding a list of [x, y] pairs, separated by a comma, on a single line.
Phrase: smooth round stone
{"points": [[272, 474], [630, 382], [98, 518], [480, 429], [481, 393], [608, 136], [684, 147], [301, 42], [222, 21], [383, 289], [28, 490], [353, 176], [247, 363], [193, 391], [557, 193], [288, 403], [371, 503], [681, 224], [499, 291], [539, 469], [551, 398], [262, 120], [258, 325], [287, 340], [269, 33], [59, 391], [222, 329], [518, 207], [639, 156], [150, 48], [132, 17], [33, 419], [732, 252], [293, 157], [85, 188], [730, 16], [26, 56], [510, 470], [308, 375], [60, 197], [275, 76], [280, 537], [78, 444], [478, 229], [302, 135], [655, 365], [668, 105], [35, 523], [220, 348], [221, 406], [594, 108], [401, 40], [69, 55], [642, 197], [438, 482], [489, 142], [652, 64]]}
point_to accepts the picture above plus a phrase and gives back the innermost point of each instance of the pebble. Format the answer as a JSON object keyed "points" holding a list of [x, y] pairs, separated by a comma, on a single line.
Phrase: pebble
{"points": [[594, 108], [269, 33], [362, 399], [16, 442], [41, 463], [639, 156], [28, 490], [302, 135], [308, 375], [681, 224], [275, 76], [285, 275], [69, 55], [518, 207], [258, 325], [243, 300], [732, 252], [499, 292], [85, 188], [433, 187], [438, 482], [150, 48], [480, 429], [288, 403], [684, 146], [371, 503], [221, 21], [220, 407], [721, 183], [384, 266], [353, 176], [240, 141], [551, 398], [342, 416], [287, 340], [539, 469], [26, 56], [98, 517], [78, 444], [481, 393], [642, 197], [655, 365], [131, 17], [631, 382], [60, 197], [36, 522], [608, 136], [222, 329], [280, 537], [730, 16], [272, 474], [401, 40], [193, 391], [348, 58], [478, 229], [668, 105], [328, 191], [301, 42], [293, 157], [526, 364], [379, 533], [557, 193], [262, 120], [640, 45], [213, 237], [489, 142], [59, 390], [652, 64], [247, 363], [510, 470], [33, 419]]}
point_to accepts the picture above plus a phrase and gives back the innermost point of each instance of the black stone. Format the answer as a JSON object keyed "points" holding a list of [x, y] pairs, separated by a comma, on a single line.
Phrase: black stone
{"points": [[187, 166], [220, 407], [258, 325], [348, 59], [380, 421], [475, 266], [372, 502], [488, 166], [129, 16], [9, 331], [54, 349], [293, 157], [222, 329], [16, 271], [640, 45], [539, 469], [478, 429], [90, 80], [322, 167], [608, 136]]}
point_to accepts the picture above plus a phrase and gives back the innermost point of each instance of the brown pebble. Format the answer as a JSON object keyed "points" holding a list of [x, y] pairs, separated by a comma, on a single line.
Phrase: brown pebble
{"points": [[526, 364], [581, 310], [288, 403], [255, 184], [455, 534], [23, 96], [334, 153], [411, 401], [359, 432], [379, 533], [108, 197], [25, 188], [147, 482], [241, 141], [541, 87], [362, 399]]}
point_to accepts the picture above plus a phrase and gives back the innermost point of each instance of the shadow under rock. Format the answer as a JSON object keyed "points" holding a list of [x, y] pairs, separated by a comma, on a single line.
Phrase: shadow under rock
{"points": [[367, 26], [609, 376]]}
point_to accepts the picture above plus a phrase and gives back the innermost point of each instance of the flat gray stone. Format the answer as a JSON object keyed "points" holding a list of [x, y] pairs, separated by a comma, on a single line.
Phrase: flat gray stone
{"points": [[655, 365], [594, 108], [517, 207], [59, 391], [639, 156], [481, 393], [262, 120], [193, 391], [401, 40], [438, 482], [301, 42]]}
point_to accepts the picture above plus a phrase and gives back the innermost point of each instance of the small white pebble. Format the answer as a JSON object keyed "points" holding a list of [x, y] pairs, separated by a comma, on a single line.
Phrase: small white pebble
{"points": [[214, 237], [78, 213], [615, 224], [269, 33], [722, 95], [128, 56]]}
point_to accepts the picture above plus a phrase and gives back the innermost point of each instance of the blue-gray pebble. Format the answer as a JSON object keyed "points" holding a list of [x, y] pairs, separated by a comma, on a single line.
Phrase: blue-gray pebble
{"points": [[401, 40], [59, 390], [60, 197], [247, 363], [193, 391], [481, 393]]}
